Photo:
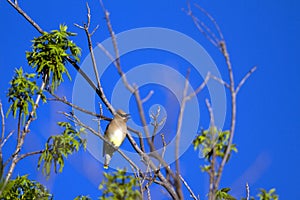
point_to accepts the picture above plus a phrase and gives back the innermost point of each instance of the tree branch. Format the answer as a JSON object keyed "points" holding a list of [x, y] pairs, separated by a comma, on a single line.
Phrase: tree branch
{"points": [[29, 154], [245, 79], [212, 173], [2, 123], [233, 113], [86, 28], [21, 138], [188, 188], [6, 138], [35, 25], [222, 82], [178, 134]]}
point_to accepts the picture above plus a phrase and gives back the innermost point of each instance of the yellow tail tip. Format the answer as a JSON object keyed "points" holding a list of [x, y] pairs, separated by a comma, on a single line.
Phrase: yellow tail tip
{"points": [[105, 166]]}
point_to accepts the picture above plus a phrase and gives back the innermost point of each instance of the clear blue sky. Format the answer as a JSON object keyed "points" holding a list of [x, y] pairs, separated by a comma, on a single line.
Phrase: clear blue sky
{"points": [[261, 33]]}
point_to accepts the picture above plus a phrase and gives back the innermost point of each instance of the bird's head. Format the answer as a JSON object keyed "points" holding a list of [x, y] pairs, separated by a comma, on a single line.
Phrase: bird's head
{"points": [[123, 115]]}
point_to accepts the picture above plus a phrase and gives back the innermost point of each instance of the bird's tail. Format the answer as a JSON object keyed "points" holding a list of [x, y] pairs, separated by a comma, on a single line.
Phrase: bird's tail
{"points": [[107, 159]]}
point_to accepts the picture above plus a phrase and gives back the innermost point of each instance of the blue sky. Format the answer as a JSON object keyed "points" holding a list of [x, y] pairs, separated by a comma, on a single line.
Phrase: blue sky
{"points": [[261, 33]]}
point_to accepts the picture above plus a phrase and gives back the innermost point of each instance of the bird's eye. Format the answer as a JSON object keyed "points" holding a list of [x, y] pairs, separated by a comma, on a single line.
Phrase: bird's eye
{"points": [[125, 115]]}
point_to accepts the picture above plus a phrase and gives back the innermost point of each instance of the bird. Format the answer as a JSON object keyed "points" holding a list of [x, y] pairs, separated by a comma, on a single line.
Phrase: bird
{"points": [[115, 133]]}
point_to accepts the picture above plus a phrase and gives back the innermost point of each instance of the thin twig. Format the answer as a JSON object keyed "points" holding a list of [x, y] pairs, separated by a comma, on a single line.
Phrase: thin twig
{"points": [[142, 146], [200, 88], [247, 191], [6, 138], [164, 182], [178, 134], [188, 188], [148, 193], [116, 50], [164, 148], [35, 25], [2, 122], [202, 27], [155, 123], [221, 81], [212, 174], [233, 113], [65, 101], [143, 119], [86, 28], [212, 20], [112, 34], [245, 78], [30, 154], [148, 96]]}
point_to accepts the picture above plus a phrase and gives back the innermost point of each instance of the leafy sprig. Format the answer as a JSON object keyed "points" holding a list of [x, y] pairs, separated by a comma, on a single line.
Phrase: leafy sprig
{"points": [[59, 147], [50, 53]]}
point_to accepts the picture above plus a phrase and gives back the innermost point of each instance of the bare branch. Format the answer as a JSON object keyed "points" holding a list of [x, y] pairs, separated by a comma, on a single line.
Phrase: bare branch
{"points": [[220, 81], [233, 113], [164, 182], [117, 56], [212, 20], [212, 174], [140, 138], [2, 122], [94, 30], [188, 188], [211, 113], [143, 119], [200, 88], [86, 28], [65, 101], [178, 134], [244, 79], [112, 35], [247, 191], [148, 194], [202, 27], [156, 124], [29, 154], [6, 138], [164, 148], [35, 25], [148, 96]]}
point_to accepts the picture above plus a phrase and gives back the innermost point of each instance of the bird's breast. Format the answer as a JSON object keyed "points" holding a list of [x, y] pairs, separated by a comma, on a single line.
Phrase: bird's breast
{"points": [[117, 137]]}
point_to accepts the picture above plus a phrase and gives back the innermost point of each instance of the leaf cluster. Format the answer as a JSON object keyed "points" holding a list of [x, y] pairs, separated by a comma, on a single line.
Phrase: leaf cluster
{"points": [[50, 53], [23, 188], [213, 141], [81, 197], [59, 147], [21, 92], [118, 186], [223, 194], [266, 195]]}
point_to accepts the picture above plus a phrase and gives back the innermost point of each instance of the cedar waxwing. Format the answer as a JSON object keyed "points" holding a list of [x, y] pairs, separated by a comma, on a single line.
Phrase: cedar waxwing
{"points": [[115, 133]]}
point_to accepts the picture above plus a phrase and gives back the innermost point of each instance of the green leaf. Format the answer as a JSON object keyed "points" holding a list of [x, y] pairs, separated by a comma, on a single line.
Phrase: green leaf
{"points": [[223, 194], [59, 147], [50, 53], [21, 93], [23, 188], [119, 185]]}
